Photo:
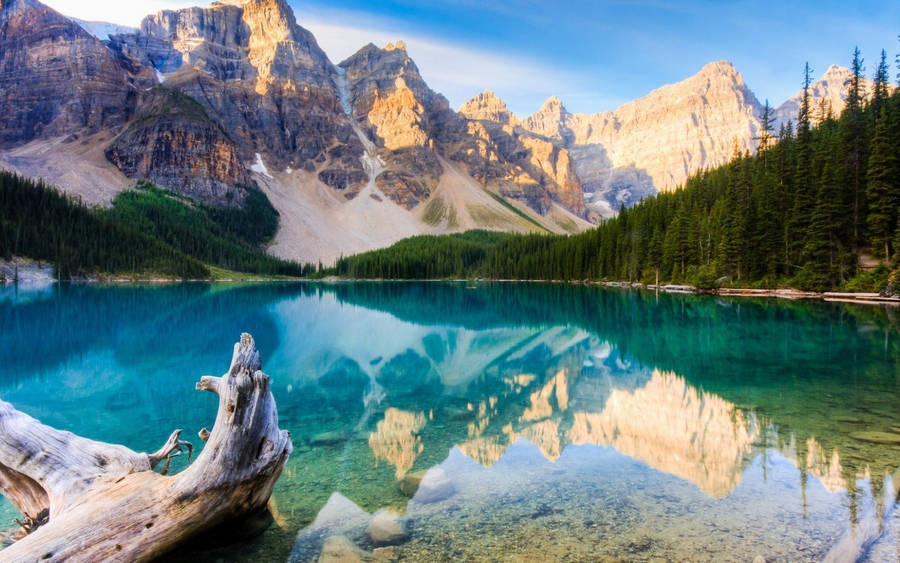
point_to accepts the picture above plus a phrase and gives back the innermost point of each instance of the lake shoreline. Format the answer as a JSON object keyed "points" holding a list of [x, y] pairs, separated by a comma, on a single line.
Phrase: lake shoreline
{"points": [[779, 293], [782, 293]]}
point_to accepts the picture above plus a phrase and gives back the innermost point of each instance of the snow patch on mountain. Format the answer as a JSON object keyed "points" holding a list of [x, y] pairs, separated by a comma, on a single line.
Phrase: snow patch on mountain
{"points": [[103, 30], [260, 167]]}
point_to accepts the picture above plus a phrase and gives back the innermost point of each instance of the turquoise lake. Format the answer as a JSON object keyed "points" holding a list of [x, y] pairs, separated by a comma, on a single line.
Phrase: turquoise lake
{"points": [[546, 422]]}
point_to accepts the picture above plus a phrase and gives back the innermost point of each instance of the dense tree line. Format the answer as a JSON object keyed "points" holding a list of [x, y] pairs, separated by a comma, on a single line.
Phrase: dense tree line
{"points": [[799, 212], [423, 257], [147, 231], [40, 222], [227, 238]]}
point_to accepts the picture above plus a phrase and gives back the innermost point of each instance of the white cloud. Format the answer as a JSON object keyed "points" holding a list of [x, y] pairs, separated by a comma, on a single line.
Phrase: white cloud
{"points": [[122, 12]]}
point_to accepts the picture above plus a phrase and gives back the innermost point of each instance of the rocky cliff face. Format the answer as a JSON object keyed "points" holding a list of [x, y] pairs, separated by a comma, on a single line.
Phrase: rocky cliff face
{"points": [[261, 76], [655, 142], [413, 127], [55, 78], [175, 144], [533, 168]]}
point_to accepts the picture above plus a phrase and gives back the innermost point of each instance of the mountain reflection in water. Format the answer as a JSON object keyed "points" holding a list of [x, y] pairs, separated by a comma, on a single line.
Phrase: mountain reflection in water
{"points": [[544, 421]]}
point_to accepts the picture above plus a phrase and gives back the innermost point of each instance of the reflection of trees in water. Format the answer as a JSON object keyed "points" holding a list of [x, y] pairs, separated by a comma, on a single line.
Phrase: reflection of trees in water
{"points": [[135, 322], [802, 366]]}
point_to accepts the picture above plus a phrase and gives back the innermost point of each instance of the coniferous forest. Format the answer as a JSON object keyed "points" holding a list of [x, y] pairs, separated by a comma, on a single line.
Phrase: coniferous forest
{"points": [[147, 231], [801, 212]]}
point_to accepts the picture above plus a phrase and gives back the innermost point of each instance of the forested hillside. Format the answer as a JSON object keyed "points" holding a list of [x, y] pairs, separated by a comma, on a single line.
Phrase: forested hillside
{"points": [[800, 212], [148, 231]]}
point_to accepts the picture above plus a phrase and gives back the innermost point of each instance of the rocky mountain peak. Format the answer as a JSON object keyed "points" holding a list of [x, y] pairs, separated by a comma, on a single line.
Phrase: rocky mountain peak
{"points": [[376, 75], [396, 46], [720, 67], [828, 93], [553, 105], [550, 121], [487, 106]]}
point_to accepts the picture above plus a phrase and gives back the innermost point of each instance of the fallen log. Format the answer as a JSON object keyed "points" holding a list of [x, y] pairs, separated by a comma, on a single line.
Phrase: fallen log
{"points": [[90, 501]]}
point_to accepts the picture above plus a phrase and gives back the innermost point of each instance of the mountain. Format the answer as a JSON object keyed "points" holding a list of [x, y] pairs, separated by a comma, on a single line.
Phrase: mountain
{"points": [[208, 101], [654, 143], [829, 93]]}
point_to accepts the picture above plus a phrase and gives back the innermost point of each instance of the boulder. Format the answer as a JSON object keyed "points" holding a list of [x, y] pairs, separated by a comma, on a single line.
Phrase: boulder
{"points": [[386, 528], [338, 549]]}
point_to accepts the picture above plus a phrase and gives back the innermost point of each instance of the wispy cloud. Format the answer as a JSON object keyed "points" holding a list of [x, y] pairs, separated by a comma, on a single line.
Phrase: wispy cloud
{"points": [[123, 12]]}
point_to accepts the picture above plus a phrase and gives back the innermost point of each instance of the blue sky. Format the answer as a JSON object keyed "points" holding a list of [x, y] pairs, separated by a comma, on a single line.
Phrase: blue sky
{"points": [[594, 55]]}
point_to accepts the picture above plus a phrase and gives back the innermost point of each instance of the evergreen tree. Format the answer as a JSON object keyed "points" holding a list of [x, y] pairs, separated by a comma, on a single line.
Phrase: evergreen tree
{"points": [[767, 127], [853, 147], [880, 93], [804, 190], [883, 188], [823, 255]]}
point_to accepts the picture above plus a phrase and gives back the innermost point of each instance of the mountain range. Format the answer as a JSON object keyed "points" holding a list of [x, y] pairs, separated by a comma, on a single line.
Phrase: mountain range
{"points": [[356, 155]]}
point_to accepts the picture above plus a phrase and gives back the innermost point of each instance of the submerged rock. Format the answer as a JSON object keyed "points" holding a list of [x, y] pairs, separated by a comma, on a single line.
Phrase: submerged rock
{"points": [[338, 549], [388, 552], [329, 438], [885, 438], [434, 487], [410, 482], [386, 528]]}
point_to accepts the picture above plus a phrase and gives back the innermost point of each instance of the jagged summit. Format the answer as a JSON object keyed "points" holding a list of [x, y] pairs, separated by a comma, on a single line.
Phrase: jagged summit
{"points": [[488, 106], [554, 104], [828, 93], [718, 67], [550, 121], [396, 46]]}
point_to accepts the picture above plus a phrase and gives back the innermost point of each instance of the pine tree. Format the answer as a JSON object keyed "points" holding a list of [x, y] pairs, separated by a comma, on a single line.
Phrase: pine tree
{"points": [[767, 127], [823, 255], [883, 188], [880, 93], [804, 190], [853, 147]]}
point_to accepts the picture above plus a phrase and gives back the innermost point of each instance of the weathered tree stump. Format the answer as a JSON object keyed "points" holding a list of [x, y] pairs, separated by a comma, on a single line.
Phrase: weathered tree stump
{"points": [[90, 501]]}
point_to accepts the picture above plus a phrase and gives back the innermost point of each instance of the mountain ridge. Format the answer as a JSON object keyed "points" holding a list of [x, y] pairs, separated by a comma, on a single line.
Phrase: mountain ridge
{"points": [[354, 155]]}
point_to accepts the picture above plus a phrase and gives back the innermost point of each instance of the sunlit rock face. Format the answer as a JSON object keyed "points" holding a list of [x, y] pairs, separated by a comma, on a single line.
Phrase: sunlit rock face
{"points": [[413, 127], [827, 95], [534, 169], [55, 78], [654, 143], [262, 76]]}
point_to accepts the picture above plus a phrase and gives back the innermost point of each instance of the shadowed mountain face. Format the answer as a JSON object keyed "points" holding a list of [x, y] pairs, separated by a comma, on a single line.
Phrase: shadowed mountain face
{"points": [[56, 78]]}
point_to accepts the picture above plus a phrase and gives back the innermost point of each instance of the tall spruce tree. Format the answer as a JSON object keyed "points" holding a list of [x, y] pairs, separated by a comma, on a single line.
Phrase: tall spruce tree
{"points": [[804, 189], [883, 188], [823, 255], [880, 92], [853, 147]]}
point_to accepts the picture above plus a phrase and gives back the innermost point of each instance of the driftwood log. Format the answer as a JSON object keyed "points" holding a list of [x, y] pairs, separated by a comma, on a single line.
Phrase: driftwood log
{"points": [[89, 501]]}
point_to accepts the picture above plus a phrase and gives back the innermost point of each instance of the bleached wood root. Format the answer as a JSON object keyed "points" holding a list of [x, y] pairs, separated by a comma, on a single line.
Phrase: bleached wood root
{"points": [[105, 502]]}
